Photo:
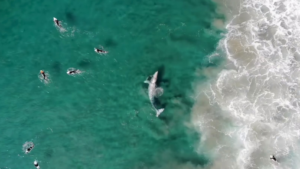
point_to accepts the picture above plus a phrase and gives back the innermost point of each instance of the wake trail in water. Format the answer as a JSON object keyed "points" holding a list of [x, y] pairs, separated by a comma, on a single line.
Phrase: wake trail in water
{"points": [[252, 110]]}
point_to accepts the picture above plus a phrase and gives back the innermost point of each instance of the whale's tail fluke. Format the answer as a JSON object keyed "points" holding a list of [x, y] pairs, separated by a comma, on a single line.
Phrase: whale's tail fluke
{"points": [[159, 111]]}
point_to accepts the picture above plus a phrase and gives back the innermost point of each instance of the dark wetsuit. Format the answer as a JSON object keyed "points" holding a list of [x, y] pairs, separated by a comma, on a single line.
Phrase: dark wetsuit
{"points": [[36, 165], [73, 72], [44, 75], [100, 51], [29, 149], [273, 158], [57, 23]]}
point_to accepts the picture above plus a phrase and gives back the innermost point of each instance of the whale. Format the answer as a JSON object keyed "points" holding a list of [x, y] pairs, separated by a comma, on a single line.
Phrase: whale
{"points": [[152, 92]]}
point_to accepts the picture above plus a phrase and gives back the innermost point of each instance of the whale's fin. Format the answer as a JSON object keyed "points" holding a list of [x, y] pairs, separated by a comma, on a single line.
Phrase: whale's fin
{"points": [[147, 80], [159, 111]]}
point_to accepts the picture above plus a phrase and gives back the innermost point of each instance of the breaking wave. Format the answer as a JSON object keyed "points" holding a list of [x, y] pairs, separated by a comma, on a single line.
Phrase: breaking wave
{"points": [[252, 108]]}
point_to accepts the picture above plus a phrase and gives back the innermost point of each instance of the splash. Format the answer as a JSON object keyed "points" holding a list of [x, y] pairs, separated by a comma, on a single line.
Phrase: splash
{"points": [[252, 110]]}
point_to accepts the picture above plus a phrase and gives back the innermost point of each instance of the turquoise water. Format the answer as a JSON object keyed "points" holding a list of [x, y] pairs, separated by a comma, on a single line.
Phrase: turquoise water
{"points": [[102, 118]]}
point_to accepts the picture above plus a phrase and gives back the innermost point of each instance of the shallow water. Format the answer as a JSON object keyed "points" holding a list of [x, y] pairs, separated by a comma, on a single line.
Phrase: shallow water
{"points": [[102, 118]]}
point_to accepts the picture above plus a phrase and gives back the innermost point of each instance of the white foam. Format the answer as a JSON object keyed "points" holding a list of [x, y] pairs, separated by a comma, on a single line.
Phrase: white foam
{"points": [[252, 110]]}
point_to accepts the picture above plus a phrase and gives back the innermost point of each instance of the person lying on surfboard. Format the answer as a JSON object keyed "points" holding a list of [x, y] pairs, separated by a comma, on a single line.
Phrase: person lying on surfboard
{"points": [[43, 74], [73, 71], [100, 51], [29, 149], [57, 22]]}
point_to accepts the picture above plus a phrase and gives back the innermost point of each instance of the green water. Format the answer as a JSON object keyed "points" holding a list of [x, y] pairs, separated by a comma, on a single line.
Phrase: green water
{"points": [[102, 118]]}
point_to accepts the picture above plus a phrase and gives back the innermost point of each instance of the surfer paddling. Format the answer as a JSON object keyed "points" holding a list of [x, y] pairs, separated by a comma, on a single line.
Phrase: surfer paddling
{"points": [[43, 74], [100, 51], [29, 149], [36, 164], [272, 157], [73, 71], [152, 92], [57, 22]]}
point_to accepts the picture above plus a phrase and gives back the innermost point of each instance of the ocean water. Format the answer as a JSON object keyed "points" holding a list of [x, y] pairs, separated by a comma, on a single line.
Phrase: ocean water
{"points": [[102, 118], [251, 108]]}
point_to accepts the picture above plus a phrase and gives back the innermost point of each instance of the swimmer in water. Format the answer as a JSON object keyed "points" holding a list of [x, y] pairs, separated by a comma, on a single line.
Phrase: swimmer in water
{"points": [[272, 157], [43, 74], [29, 149], [57, 22], [74, 71], [36, 164], [100, 51]]}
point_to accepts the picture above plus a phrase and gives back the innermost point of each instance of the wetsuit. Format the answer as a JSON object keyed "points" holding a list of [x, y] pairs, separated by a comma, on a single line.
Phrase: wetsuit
{"points": [[36, 164], [100, 51], [73, 72], [273, 158], [44, 75], [57, 23]]}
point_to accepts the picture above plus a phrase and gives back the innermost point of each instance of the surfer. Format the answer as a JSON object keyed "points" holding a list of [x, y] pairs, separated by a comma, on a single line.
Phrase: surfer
{"points": [[36, 164], [29, 149], [272, 157], [57, 22], [73, 71], [43, 74], [100, 51]]}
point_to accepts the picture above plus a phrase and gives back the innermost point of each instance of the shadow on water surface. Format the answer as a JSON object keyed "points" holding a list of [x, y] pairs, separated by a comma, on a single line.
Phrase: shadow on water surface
{"points": [[70, 17], [84, 63], [110, 42], [183, 38], [48, 153], [56, 67], [161, 72], [161, 82]]}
